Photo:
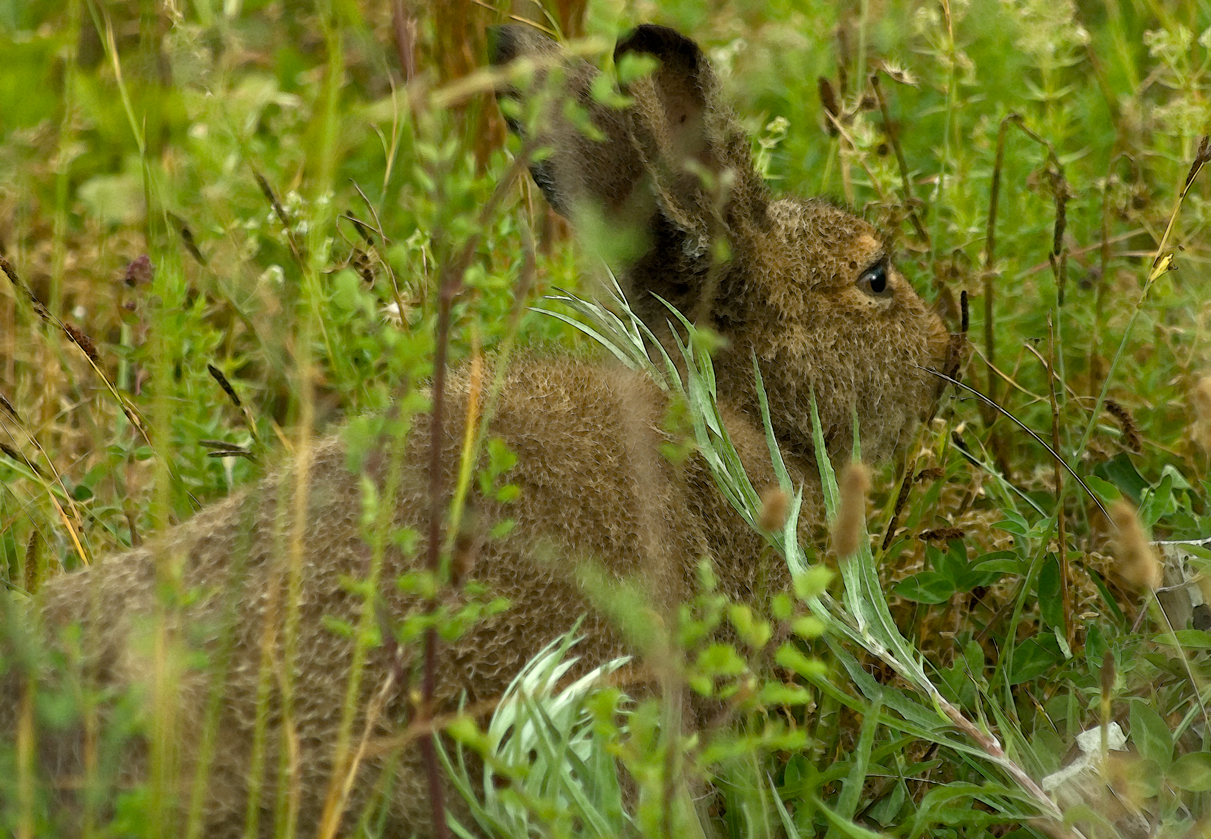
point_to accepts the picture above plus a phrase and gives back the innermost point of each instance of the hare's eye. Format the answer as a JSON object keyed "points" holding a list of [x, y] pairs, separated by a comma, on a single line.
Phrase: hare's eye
{"points": [[874, 281]]}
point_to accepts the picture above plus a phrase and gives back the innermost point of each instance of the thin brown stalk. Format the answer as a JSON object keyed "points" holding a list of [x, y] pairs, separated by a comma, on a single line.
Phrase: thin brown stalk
{"points": [[1058, 472], [1059, 253], [504, 353], [1125, 236], [910, 201], [280, 211], [334, 808], [893, 522], [1072, 394], [406, 28], [1058, 258], [989, 273], [1102, 280], [451, 284], [850, 148], [245, 410]]}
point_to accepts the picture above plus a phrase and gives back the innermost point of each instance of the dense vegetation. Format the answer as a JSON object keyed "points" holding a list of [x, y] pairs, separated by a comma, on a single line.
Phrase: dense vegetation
{"points": [[226, 227]]}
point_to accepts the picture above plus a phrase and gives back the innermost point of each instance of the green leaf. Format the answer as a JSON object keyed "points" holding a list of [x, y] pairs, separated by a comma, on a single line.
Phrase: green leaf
{"points": [[1033, 658], [341, 628], [1157, 502], [808, 627], [1150, 734], [997, 563], [1051, 603], [776, 693], [1106, 492], [926, 587], [1013, 523], [1189, 639], [813, 582], [634, 65], [1121, 472], [843, 826], [721, 660], [754, 632], [1192, 772], [501, 529], [791, 659], [500, 457], [347, 292]]}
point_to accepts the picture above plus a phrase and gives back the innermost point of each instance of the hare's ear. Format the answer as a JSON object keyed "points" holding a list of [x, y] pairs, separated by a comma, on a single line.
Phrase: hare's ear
{"points": [[690, 145], [584, 157], [664, 171]]}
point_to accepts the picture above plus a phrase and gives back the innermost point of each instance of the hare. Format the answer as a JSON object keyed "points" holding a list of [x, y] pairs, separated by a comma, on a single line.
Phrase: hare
{"points": [[805, 287]]}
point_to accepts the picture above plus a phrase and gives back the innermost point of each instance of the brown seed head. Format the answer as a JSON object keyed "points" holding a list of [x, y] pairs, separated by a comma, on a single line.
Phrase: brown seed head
{"points": [[1131, 433], [942, 534], [853, 484], [774, 506], [932, 473], [81, 340], [1139, 565]]}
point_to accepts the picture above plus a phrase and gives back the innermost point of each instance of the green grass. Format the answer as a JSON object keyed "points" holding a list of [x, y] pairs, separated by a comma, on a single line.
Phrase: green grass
{"points": [[123, 127]]}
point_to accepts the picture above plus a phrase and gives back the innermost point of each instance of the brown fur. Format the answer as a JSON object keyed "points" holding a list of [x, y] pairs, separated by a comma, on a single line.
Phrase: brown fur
{"points": [[593, 485]]}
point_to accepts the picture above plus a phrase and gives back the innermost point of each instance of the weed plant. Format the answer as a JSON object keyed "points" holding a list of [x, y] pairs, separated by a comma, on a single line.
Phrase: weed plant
{"points": [[225, 227]]}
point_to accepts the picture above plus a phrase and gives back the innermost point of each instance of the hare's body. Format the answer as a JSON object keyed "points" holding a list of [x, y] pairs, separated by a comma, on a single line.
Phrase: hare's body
{"points": [[632, 511], [807, 289]]}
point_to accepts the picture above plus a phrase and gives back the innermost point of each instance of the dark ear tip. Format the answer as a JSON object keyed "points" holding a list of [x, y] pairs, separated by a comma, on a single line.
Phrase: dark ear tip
{"points": [[661, 42]]}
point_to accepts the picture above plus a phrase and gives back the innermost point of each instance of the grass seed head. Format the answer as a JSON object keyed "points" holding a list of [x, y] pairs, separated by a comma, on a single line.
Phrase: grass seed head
{"points": [[853, 485], [81, 339], [1139, 565], [942, 534], [1131, 434], [775, 504]]}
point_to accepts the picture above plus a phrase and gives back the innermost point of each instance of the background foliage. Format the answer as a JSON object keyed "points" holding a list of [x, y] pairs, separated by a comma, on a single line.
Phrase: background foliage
{"points": [[297, 176]]}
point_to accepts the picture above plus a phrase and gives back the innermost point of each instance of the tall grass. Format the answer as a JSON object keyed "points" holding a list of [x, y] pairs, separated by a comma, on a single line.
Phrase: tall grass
{"points": [[298, 194]]}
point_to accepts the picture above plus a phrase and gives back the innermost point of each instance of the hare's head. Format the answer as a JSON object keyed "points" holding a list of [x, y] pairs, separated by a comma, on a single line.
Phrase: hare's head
{"points": [[806, 287]]}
